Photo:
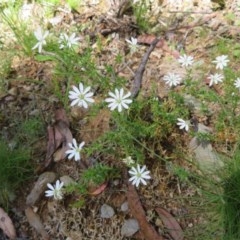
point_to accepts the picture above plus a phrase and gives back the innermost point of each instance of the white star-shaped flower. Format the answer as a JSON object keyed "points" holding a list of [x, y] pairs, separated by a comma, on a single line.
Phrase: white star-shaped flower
{"points": [[221, 61], [139, 175], [182, 124], [237, 83], [81, 96], [75, 150], [41, 37], [185, 60], [215, 78], [55, 191], [132, 44], [118, 100], [172, 79], [68, 41]]}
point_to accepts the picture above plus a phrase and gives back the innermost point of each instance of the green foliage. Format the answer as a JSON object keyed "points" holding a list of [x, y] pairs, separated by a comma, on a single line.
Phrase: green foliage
{"points": [[91, 177], [140, 11], [74, 3], [30, 129], [231, 208], [204, 136], [15, 169], [53, 2], [232, 205], [98, 174], [19, 28]]}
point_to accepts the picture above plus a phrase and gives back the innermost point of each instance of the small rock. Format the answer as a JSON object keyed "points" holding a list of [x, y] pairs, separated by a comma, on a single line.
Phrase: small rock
{"points": [[116, 182], [130, 227], [67, 180], [106, 211], [206, 157], [124, 207]]}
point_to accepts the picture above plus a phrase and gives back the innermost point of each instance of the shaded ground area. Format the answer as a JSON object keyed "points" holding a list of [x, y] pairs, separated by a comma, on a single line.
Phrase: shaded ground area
{"points": [[29, 93]]}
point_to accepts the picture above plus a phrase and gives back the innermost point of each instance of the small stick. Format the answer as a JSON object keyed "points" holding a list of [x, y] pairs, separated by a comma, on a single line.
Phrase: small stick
{"points": [[137, 82]]}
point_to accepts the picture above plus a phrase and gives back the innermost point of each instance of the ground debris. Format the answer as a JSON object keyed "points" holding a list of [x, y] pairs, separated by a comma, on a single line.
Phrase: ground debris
{"points": [[205, 156], [39, 187], [35, 221], [137, 211], [106, 211], [171, 224], [130, 227], [6, 225], [59, 135]]}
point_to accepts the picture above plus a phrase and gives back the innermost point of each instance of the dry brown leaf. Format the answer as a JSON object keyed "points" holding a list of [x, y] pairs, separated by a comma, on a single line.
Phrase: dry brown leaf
{"points": [[138, 213], [6, 225], [148, 39], [39, 187], [62, 127], [99, 190], [59, 135], [171, 224], [35, 221]]}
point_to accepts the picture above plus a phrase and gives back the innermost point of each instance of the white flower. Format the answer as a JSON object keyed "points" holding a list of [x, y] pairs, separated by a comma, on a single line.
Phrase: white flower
{"points": [[40, 36], [55, 191], [80, 96], [237, 83], [215, 78], [221, 61], [68, 41], [132, 44], [182, 124], [172, 79], [185, 60], [118, 100], [75, 150], [139, 175], [128, 161]]}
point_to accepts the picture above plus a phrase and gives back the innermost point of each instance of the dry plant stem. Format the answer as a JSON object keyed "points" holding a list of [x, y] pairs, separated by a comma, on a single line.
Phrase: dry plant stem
{"points": [[137, 82]]}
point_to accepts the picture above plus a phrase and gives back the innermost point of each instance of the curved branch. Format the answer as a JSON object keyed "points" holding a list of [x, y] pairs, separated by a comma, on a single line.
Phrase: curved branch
{"points": [[137, 82]]}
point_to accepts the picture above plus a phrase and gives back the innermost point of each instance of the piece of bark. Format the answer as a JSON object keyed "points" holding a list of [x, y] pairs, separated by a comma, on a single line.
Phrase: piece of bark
{"points": [[138, 213], [6, 225], [171, 224], [99, 189], [59, 135], [66, 137], [50, 145], [39, 187], [35, 221]]}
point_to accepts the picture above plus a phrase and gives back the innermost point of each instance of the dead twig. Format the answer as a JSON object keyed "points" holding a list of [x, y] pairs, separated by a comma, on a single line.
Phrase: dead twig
{"points": [[139, 73]]}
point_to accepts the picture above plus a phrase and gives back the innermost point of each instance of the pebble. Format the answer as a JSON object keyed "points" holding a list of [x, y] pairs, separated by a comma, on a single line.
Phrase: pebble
{"points": [[124, 207], [106, 211], [130, 227]]}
